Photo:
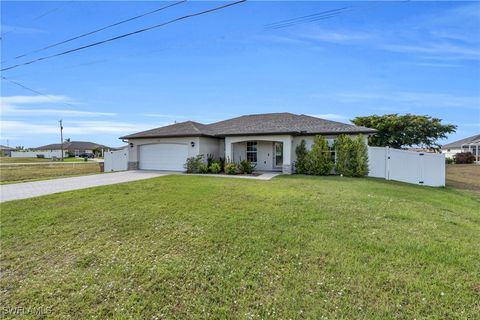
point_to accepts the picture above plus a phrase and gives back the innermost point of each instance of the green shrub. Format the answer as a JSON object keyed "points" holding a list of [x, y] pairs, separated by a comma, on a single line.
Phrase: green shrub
{"points": [[464, 158], [343, 146], [210, 159], [215, 167], [246, 167], [301, 152], [449, 161], [359, 157], [203, 168], [351, 156], [193, 164], [230, 168], [318, 160]]}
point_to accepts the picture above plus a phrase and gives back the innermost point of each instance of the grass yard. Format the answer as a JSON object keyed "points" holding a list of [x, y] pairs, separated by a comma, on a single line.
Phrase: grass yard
{"points": [[36, 171], [214, 248], [31, 160], [22, 160], [464, 176]]}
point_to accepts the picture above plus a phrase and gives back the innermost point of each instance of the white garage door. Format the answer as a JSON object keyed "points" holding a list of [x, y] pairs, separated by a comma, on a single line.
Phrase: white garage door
{"points": [[163, 156]]}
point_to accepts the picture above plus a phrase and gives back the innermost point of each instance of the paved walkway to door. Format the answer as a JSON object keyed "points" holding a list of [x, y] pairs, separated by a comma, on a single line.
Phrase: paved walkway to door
{"points": [[32, 189]]}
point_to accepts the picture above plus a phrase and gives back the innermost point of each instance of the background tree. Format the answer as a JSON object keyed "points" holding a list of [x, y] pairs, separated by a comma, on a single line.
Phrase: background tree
{"points": [[407, 130]]}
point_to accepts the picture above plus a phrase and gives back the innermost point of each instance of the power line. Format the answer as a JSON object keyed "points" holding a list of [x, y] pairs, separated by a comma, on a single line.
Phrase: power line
{"points": [[36, 92], [308, 18], [305, 17], [125, 35], [98, 30], [33, 19]]}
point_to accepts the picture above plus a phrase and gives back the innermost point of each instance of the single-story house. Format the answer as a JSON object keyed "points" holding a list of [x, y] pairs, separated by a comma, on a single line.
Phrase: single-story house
{"points": [[74, 148], [470, 144], [268, 140], [6, 151]]}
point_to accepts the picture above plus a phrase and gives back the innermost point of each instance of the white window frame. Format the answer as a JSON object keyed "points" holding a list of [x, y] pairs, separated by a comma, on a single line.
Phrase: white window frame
{"points": [[252, 148]]}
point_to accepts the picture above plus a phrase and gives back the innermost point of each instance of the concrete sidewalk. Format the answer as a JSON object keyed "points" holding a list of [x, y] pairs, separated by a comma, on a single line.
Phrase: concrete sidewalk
{"points": [[40, 188]]}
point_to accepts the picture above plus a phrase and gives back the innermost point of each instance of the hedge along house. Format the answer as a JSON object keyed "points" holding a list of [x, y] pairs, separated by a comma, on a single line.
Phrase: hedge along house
{"points": [[268, 140]]}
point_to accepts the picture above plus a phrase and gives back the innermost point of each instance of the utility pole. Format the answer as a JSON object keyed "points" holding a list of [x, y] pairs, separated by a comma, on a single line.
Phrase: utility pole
{"points": [[61, 137]]}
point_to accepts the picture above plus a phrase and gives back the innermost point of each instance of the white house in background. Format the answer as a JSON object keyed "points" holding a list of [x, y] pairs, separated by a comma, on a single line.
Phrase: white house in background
{"points": [[268, 140], [470, 144]]}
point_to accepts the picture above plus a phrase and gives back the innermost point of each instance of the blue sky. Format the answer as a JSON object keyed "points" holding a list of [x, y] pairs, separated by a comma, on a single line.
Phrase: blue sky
{"points": [[375, 58]]}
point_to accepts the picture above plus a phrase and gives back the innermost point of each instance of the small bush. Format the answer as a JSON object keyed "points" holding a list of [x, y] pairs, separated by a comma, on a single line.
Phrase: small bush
{"points": [[215, 167], [193, 164], [464, 158], [203, 168], [343, 145], [230, 168], [351, 156], [301, 152], [246, 167], [449, 161], [318, 160], [210, 159]]}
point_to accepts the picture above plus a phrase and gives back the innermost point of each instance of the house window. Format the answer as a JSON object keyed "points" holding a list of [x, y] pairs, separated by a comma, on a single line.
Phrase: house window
{"points": [[252, 151]]}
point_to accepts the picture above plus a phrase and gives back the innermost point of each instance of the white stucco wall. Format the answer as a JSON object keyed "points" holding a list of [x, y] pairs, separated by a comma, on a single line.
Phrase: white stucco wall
{"points": [[265, 153], [210, 146], [449, 153]]}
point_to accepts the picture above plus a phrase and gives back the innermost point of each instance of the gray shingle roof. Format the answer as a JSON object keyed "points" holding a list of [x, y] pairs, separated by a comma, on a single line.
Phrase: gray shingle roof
{"points": [[256, 124], [181, 129], [72, 145], [459, 143]]}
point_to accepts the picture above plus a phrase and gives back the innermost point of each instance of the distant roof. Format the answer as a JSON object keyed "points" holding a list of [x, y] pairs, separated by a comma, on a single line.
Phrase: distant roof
{"points": [[459, 143], [78, 145], [2, 147], [268, 123]]}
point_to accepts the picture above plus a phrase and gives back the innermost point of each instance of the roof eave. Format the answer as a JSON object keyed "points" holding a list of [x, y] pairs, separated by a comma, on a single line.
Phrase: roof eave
{"points": [[168, 136]]}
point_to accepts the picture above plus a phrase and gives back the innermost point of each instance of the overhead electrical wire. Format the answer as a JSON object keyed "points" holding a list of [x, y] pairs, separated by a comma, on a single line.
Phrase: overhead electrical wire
{"points": [[308, 18], [98, 30], [35, 91], [125, 35]]}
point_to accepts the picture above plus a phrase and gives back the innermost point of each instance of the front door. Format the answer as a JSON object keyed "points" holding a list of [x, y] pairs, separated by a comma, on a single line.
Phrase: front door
{"points": [[278, 154]]}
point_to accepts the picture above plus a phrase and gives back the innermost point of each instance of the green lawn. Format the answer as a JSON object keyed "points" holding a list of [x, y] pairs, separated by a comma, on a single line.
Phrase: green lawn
{"points": [[40, 171], [22, 160], [29, 160], [213, 248]]}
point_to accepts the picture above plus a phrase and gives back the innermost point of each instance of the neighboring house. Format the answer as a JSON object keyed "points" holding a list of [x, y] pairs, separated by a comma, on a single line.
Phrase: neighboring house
{"points": [[74, 148], [268, 140], [470, 144], [6, 151]]}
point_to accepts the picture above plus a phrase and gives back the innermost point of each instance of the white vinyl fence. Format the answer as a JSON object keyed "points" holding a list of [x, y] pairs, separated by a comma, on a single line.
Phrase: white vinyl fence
{"points": [[115, 160], [33, 154], [427, 169]]}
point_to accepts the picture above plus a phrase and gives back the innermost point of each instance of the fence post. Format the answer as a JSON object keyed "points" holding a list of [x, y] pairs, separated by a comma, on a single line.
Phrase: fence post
{"points": [[387, 163]]}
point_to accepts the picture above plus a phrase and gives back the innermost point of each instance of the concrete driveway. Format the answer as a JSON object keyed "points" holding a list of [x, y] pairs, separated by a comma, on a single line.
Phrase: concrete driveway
{"points": [[40, 188]]}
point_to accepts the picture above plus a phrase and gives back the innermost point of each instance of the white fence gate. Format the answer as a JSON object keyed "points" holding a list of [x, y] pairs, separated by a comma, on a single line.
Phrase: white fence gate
{"points": [[421, 168], [115, 160]]}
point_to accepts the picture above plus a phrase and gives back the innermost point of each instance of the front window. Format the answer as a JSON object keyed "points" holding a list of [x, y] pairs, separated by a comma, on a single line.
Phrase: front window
{"points": [[252, 151]]}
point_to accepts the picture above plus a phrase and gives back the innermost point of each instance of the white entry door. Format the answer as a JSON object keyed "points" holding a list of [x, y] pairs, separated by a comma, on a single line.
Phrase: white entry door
{"points": [[163, 156]]}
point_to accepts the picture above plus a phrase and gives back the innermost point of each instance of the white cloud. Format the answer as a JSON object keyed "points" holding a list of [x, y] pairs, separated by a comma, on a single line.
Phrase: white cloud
{"points": [[24, 128], [33, 99], [331, 116], [412, 99], [9, 106]]}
